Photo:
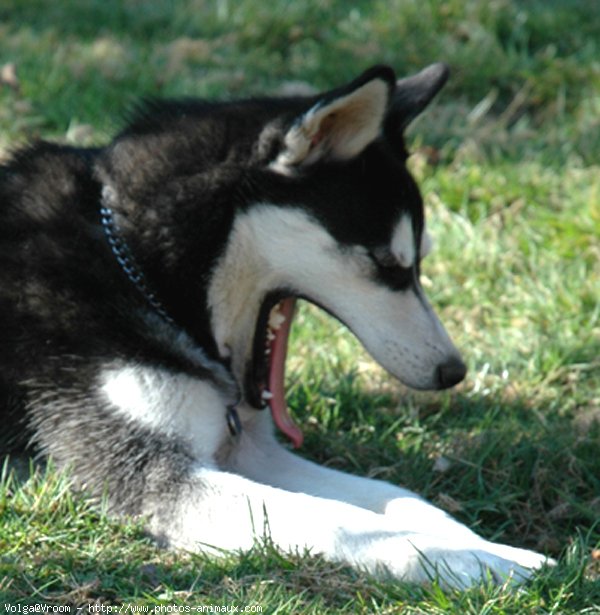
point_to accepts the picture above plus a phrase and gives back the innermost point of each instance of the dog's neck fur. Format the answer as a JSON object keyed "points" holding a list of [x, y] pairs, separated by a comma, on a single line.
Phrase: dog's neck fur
{"points": [[127, 260]]}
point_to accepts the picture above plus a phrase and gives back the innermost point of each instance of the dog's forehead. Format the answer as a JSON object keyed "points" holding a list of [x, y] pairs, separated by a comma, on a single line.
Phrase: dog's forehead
{"points": [[400, 206], [373, 201]]}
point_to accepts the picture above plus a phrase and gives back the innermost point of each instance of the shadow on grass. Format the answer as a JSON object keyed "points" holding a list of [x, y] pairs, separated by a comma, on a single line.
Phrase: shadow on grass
{"points": [[518, 474], [521, 474]]}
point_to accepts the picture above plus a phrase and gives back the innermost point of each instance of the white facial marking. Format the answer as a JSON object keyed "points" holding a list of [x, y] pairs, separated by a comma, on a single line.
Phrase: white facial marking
{"points": [[274, 247], [403, 243]]}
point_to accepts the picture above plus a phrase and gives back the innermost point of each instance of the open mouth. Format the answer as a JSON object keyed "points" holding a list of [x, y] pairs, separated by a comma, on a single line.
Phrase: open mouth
{"points": [[265, 379]]}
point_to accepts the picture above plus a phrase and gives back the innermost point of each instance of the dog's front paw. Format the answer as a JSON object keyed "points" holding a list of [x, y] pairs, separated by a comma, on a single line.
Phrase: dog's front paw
{"points": [[464, 566], [453, 552], [422, 558]]}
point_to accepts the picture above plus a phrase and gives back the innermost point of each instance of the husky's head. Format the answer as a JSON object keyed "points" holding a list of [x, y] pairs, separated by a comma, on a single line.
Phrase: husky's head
{"points": [[335, 218]]}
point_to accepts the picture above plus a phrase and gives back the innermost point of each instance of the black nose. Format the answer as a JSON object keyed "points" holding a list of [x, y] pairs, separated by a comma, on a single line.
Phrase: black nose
{"points": [[450, 373]]}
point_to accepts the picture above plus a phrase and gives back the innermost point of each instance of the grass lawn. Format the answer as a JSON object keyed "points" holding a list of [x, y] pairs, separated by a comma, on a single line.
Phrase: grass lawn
{"points": [[509, 163]]}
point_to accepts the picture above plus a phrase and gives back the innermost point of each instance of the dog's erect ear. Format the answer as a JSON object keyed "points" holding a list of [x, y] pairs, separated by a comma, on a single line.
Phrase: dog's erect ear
{"points": [[341, 124], [413, 94]]}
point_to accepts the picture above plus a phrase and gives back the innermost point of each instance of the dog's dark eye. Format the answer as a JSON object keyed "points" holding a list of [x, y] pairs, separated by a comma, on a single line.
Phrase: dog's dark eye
{"points": [[384, 258], [389, 271]]}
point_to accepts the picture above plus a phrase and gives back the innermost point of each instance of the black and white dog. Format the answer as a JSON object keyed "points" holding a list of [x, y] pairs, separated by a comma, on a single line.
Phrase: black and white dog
{"points": [[146, 294]]}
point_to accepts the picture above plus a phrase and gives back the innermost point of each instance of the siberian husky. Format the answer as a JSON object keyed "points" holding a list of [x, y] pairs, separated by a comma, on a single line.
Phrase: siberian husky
{"points": [[146, 294]]}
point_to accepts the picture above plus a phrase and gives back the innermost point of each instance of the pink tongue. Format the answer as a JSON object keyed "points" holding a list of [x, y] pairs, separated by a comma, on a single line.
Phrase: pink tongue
{"points": [[279, 409]]}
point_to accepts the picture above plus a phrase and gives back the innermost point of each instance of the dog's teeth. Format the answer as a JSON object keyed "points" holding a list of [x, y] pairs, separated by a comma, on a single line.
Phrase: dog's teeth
{"points": [[266, 395], [270, 336], [276, 318]]}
